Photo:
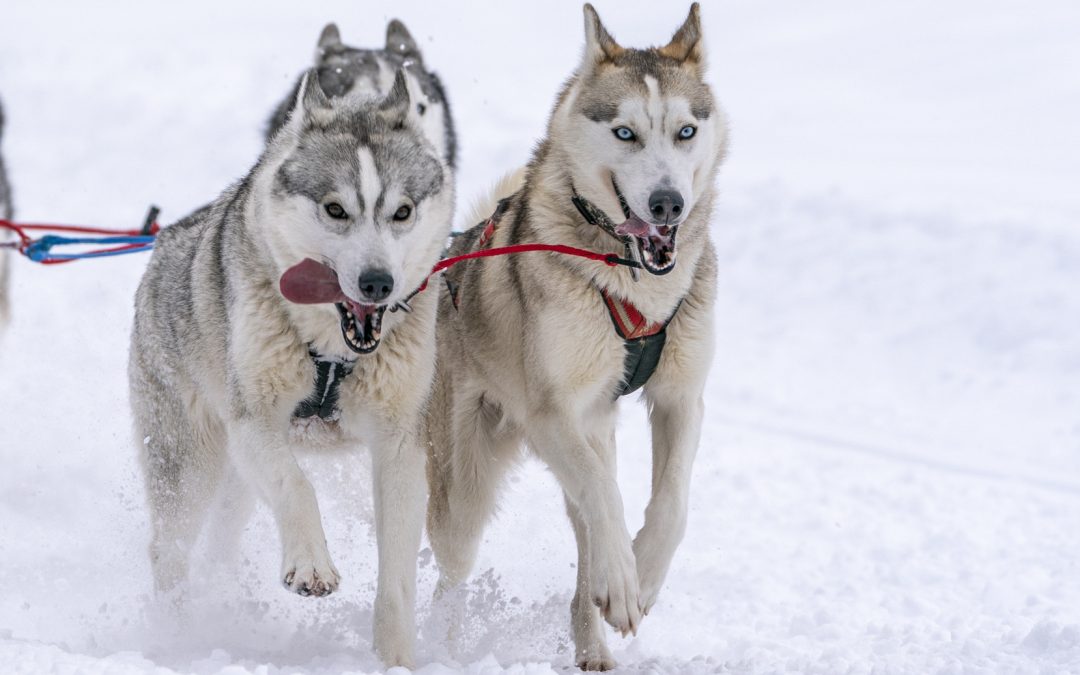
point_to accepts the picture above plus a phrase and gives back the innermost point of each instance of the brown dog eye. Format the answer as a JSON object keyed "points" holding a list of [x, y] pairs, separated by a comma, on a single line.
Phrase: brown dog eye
{"points": [[334, 210], [403, 212]]}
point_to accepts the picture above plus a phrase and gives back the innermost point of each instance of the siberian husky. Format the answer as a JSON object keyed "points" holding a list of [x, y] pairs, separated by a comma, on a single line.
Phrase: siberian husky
{"points": [[536, 348], [268, 318]]}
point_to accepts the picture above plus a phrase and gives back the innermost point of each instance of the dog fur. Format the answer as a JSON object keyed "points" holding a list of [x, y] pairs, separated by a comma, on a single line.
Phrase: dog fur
{"points": [[529, 354]]}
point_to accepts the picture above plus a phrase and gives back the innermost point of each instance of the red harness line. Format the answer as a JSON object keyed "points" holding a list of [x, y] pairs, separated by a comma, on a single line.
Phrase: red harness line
{"points": [[25, 239], [610, 259]]}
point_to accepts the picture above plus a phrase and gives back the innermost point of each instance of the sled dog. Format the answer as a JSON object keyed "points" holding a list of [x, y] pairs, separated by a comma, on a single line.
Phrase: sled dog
{"points": [[350, 72], [276, 317], [536, 348], [6, 210]]}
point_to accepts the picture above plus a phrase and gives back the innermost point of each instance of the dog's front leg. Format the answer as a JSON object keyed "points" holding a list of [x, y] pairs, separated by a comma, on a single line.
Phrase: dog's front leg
{"points": [[676, 431], [399, 489], [262, 454], [589, 483]]}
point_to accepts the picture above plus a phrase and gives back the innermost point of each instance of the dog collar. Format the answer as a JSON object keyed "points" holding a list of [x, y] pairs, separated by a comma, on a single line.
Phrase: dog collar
{"points": [[596, 216], [329, 372]]}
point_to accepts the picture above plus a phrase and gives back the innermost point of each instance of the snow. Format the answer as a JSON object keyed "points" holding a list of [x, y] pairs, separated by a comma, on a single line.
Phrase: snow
{"points": [[889, 474]]}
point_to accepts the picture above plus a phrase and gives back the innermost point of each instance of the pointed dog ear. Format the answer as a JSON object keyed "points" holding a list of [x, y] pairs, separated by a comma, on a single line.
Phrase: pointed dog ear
{"points": [[330, 37], [400, 41], [310, 102], [599, 45], [397, 107], [687, 44]]}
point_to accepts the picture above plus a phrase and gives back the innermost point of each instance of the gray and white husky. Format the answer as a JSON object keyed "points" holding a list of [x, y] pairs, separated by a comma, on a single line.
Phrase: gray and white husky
{"points": [[6, 210], [349, 72], [262, 325], [536, 348]]}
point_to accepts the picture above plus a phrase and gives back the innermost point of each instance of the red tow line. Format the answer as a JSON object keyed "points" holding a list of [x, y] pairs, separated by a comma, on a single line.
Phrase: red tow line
{"points": [[610, 259]]}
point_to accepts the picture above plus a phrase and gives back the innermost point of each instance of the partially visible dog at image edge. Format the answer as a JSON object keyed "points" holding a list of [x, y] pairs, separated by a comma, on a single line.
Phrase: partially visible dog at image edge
{"points": [[278, 318], [535, 349], [6, 212]]}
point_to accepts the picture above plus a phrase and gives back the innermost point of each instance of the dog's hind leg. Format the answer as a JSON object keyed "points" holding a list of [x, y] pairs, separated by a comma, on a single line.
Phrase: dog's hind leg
{"points": [[182, 464], [232, 511], [466, 476]]}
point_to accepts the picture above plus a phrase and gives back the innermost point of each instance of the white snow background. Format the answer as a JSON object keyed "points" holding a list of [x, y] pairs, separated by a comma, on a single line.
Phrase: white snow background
{"points": [[889, 475]]}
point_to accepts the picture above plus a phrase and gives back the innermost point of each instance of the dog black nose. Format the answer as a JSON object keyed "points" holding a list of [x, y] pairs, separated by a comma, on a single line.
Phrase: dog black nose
{"points": [[376, 285], [665, 205]]}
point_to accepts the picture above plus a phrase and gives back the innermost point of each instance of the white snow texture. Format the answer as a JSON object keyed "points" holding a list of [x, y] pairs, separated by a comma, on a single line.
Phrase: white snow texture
{"points": [[889, 475]]}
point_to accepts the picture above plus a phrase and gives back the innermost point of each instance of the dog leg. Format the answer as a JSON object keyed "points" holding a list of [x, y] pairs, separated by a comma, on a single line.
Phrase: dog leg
{"points": [[232, 511], [589, 484], [181, 468], [466, 481], [262, 455], [590, 646], [179, 494], [398, 477], [676, 431]]}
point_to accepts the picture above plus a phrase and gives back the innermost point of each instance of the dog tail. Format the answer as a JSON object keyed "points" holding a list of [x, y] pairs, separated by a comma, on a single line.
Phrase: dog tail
{"points": [[483, 206]]}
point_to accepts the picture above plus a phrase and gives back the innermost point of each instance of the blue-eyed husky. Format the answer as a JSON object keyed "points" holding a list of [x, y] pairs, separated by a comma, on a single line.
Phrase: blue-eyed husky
{"points": [[535, 349]]}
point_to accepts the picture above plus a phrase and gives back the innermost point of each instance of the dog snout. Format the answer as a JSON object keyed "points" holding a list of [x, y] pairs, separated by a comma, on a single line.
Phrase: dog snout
{"points": [[376, 285], [665, 205]]}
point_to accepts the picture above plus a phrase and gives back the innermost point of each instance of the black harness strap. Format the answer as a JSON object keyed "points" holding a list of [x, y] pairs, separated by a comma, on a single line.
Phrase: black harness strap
{"points": [[642, 358], [329, 372], [644, 342]]}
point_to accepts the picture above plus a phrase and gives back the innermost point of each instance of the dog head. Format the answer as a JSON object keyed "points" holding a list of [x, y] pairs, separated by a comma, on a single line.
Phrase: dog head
{"points": [[642, 134], [355, 204], [346, 71]]}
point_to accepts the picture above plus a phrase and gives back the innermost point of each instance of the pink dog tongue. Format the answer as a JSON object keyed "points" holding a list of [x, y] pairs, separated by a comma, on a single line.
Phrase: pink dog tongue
{"points": [[636, 227], [310, 282]]}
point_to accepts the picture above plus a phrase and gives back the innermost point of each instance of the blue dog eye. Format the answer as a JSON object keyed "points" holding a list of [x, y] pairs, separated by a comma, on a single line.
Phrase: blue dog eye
{"points": [[687, 132], [624, 134]]}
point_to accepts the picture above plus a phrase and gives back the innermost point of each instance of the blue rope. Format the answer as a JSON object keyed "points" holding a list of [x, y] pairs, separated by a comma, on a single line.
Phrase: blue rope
{"points": [[40, 250]]}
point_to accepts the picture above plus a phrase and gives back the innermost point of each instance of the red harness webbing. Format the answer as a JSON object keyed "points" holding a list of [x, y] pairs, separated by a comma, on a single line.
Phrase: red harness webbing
{"points": [[629, 322]]}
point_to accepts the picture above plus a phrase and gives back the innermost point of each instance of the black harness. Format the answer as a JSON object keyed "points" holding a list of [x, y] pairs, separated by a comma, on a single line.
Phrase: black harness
{"points": [[644, 341], [329, 372]]}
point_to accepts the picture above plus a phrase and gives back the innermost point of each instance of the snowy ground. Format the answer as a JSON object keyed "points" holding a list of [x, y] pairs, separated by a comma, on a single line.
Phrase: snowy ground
{"points": [[889, 478]]}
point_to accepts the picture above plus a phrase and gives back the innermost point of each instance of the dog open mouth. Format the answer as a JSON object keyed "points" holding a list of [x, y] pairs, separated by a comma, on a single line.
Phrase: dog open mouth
{"points": [[311, 282], [655, 243]]}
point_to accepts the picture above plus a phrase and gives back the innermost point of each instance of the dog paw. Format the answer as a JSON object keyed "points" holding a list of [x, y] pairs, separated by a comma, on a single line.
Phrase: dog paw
{"points": [[616, 592], [652, 568], [393, 649], [396, 659], [650, 578], [596, 657], [307, 577]]}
